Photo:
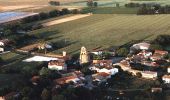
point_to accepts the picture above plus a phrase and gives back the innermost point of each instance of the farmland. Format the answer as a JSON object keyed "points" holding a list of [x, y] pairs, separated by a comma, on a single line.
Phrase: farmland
{"points": [[105, 30]]}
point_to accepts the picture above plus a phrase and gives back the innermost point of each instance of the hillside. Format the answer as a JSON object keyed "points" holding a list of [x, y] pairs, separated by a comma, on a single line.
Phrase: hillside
{"points": [[105, 30]]}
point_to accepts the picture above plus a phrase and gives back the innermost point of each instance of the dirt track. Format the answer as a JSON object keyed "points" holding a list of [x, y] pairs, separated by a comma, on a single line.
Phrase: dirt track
{"points": [[66, 19]]}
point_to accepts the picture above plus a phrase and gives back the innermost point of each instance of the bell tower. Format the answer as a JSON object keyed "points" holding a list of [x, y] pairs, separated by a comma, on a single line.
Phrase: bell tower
{"points": [[84, 56]]}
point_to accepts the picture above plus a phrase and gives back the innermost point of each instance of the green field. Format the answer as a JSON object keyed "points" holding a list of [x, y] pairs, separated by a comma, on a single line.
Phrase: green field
{"points": [[105, 30], [110, 10]]}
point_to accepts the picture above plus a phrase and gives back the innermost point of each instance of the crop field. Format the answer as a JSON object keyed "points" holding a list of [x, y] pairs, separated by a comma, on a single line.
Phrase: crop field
{"points": [[110, 10], [105, 30]]}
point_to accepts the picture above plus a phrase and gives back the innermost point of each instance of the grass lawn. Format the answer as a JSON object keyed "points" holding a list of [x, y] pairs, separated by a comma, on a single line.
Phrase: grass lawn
{"points": [[11, 56], [105, 30]]}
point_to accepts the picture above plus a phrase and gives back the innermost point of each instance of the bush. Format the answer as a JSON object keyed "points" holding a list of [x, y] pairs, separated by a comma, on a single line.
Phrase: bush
{"points": [[43, 15], [54, 3], [65, 11], [122, 52], [54, 13], [89, 3], [95, 4], [138, 74]]}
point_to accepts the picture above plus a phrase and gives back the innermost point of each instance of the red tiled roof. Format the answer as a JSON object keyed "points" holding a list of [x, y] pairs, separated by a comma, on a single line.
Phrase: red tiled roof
{"points": [[161, 52], [103, 74], [149, 72], [5, 41], [166, 76], [35, 78], [56, 62], [102, 61], [64, 79]]}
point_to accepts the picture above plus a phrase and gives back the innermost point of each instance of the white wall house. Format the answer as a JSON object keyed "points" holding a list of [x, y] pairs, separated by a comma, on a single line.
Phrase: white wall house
{"points": [[57, 65], [149, 74], [166, 78], [2, 43], [168, 69], [141, 46], [1, 49]]}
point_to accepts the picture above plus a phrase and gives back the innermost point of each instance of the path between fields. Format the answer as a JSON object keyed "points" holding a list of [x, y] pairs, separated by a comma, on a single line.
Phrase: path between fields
{"points": [[58, 21]]}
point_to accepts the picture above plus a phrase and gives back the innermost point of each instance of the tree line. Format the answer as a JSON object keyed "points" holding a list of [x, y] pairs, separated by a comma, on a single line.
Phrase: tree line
{"points": [[149, 8]]}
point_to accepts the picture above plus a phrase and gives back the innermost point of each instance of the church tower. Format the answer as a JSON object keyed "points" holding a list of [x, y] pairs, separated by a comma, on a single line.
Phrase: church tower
{"points": [[84, 56]]}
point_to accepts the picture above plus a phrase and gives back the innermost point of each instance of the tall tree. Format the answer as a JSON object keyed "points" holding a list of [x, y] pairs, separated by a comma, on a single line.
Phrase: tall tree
{"points": [[45, 95]]}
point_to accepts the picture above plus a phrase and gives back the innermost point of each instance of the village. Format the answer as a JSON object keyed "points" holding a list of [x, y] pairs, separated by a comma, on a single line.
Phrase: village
{"points": [[84, 50], [93, 68]]}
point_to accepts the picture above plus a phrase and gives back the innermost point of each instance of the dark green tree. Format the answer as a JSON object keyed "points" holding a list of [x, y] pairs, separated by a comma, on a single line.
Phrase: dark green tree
{"points": [[45, 95]]}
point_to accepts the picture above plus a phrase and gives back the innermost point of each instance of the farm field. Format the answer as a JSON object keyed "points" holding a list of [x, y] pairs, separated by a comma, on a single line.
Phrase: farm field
{"points": [[110, 10], [105, 30], [63, 20]]}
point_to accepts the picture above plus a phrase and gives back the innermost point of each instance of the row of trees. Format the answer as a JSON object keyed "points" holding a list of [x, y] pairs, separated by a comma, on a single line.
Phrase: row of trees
{"points": [[90, 3], [155, 9], [54, 3], [45, 15]]}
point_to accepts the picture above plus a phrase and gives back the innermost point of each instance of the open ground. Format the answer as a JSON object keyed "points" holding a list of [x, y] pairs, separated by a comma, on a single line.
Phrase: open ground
{"points": [[65, 19], [105, 30]]}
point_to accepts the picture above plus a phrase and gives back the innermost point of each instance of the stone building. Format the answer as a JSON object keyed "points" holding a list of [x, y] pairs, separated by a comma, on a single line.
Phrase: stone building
{"points": [[84, 56]]}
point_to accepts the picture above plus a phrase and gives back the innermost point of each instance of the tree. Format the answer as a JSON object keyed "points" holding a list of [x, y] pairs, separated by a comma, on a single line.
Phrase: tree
{"points": [[58, 97], [138, 74], [54, 13], [155, 47], [44, 71], [7, 32], [75, 11], [26, 91], [25, 98], [65, 11], [45, 95], [1, 60], [106, 55], [43, 15], [122, 52], [163, 40], [90, 3], [95, 4]]}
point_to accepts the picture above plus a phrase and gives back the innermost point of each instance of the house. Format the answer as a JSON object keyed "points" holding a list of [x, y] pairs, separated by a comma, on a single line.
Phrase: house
{"points": [[149, 74], [150, 63], [139, 46], [168, 69], [145, 53], [4, 42], [97, 52], [1, 49], [57, 65], [101, 76], [2, 98], [161, 52], [156, 89], [158, 55], [103, 63], [67, 79], [111, 71], [166, 78], [35, 80]]}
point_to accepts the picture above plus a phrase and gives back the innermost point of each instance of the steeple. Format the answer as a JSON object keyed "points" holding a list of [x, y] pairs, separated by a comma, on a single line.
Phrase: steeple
{"points": [[84, 56]]}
